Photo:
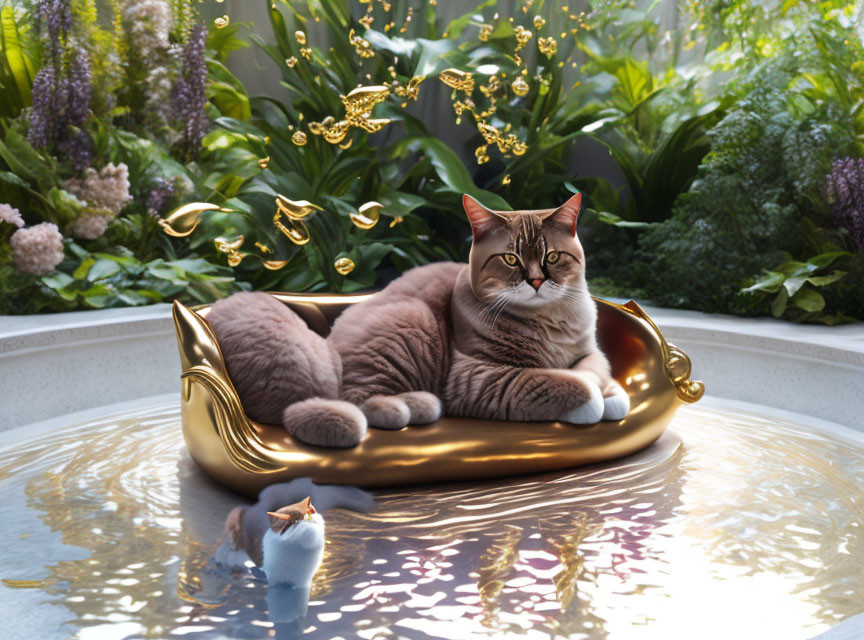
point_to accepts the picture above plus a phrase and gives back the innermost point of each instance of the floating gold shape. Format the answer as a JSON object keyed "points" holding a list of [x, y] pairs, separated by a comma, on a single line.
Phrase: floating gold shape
{"points": [[264, 162], [262, 247], [457, 79], [347, 145], [506, 179], [481, 154], [412, 90], [183, 220], [248, 456], [395, 221], [344, 266], [274, 265], [485, 32], [299, 138], [519, 148], [306, 52], [295, 209], [295, 230], [301, 37], [539, 22], [228, 245], [548, 46], [520, 87], [523, 35], [235, 259], [222, 21], [361, 45], [291, 62], [367, 215], [358, 107]]}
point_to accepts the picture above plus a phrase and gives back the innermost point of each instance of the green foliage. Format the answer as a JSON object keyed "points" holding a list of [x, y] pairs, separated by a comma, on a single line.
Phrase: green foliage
{"points": [[103, 280], [794, 287], [745, 212]]}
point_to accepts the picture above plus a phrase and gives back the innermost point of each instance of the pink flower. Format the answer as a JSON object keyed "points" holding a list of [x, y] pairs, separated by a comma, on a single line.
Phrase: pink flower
{"points": [[10, 214], [37, 249]]}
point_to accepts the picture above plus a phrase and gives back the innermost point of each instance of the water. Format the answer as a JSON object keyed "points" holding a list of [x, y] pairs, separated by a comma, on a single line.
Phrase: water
{"points": [[732, 525]]}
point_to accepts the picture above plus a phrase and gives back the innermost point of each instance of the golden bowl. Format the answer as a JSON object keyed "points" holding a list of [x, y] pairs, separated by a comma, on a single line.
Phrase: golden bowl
{"points": [[247, 456]]}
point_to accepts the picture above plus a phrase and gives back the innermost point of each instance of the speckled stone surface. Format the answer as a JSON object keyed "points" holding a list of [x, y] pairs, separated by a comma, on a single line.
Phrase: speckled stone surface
{"points": [[51, 365]]}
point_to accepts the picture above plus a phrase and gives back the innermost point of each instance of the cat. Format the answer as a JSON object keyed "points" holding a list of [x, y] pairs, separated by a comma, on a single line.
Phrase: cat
{"points": [[508, 336]]}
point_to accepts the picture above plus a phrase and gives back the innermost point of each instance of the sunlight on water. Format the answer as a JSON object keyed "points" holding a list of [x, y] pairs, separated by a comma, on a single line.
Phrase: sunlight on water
{"points": [[733, 525]]}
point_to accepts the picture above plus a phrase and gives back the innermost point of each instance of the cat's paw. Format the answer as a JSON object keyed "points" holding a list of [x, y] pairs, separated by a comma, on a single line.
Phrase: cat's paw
{"points": [[425, 407], [386, 412], [616, 406], [591, 410]]}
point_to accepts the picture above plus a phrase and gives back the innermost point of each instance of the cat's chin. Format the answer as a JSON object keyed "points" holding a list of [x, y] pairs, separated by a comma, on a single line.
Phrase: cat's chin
{"points": [[525, 296]]}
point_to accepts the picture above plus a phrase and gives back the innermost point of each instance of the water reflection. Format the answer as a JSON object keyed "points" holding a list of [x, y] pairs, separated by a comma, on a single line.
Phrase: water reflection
{"points": [[730, 522]]}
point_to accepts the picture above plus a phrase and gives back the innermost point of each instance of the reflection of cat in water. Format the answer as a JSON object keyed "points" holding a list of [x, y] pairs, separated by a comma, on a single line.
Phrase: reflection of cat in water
{"points": [[283, 534]]}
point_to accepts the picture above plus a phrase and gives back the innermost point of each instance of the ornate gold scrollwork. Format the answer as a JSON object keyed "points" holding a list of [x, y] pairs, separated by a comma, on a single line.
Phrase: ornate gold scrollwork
{"points": [[676, 363]]}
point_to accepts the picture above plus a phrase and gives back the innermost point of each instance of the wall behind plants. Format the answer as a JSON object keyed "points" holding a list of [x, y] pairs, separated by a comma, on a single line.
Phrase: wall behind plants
{"points": [[716, 141]]}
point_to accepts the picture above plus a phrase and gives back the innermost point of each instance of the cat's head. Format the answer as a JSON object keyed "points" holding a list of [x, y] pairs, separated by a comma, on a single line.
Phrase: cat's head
{"points": [[526, 258]]}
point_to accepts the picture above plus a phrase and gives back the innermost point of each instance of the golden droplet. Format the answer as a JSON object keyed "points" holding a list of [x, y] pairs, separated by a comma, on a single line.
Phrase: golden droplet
{"points": [[291, 62], [481, 155], [539, 22], [367, 215], [295, 209], [457, 79], [222, 22], [301, 37], [523, 35], [266, 139], [264, 162], [235, 259], [395, 221], [548, 46], [299, 138], [485, 32], [344, 266], [295, 229], [274, 265], [519, 148], [228, 245], [183, 220], [506, 179], [520, 87], [337, 133]]}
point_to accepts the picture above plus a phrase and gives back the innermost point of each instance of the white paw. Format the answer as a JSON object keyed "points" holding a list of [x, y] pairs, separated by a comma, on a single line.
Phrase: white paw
{"points": [[617, 406], [589, 412]]}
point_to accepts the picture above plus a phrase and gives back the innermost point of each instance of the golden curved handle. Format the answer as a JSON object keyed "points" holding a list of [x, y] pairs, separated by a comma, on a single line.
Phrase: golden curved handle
{"points": [[675, 362]]}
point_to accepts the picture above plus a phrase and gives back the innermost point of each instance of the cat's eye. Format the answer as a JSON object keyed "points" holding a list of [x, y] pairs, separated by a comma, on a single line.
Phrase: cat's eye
{"points": [[510, 259], [552, 257]]}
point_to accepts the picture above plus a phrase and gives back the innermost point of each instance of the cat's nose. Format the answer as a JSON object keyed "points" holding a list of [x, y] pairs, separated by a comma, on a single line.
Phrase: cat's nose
{"points": [[536, 282]]}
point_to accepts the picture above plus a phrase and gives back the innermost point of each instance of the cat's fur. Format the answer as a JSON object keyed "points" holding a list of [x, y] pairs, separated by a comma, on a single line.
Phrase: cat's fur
{"points": [[510, 335]]}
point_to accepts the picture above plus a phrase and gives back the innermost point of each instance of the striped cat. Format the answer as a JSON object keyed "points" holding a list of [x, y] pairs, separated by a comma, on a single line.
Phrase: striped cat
{"points": [[510, 335]]}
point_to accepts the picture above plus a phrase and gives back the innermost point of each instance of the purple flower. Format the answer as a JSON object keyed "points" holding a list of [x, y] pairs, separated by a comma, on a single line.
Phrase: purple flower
{"points": [[60, 108], [57, 16], [188, 96], [846, 197], [44, 107], [160, 196]]}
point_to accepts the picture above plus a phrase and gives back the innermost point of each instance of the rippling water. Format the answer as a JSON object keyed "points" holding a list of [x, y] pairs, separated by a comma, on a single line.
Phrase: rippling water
{"points": [[732, 525]]}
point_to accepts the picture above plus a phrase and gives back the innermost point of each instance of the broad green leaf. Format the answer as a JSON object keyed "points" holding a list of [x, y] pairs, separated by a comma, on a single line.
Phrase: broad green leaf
{"points": [[13, 51], [808, 299]]}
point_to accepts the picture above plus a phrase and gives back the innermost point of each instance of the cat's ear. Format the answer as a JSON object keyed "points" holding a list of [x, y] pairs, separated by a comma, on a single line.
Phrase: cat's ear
{"points": [[567, 214], [482, 219]]}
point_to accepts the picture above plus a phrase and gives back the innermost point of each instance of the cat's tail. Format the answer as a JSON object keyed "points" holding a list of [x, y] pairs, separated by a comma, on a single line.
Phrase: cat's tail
{"points": [[325, 422]]}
